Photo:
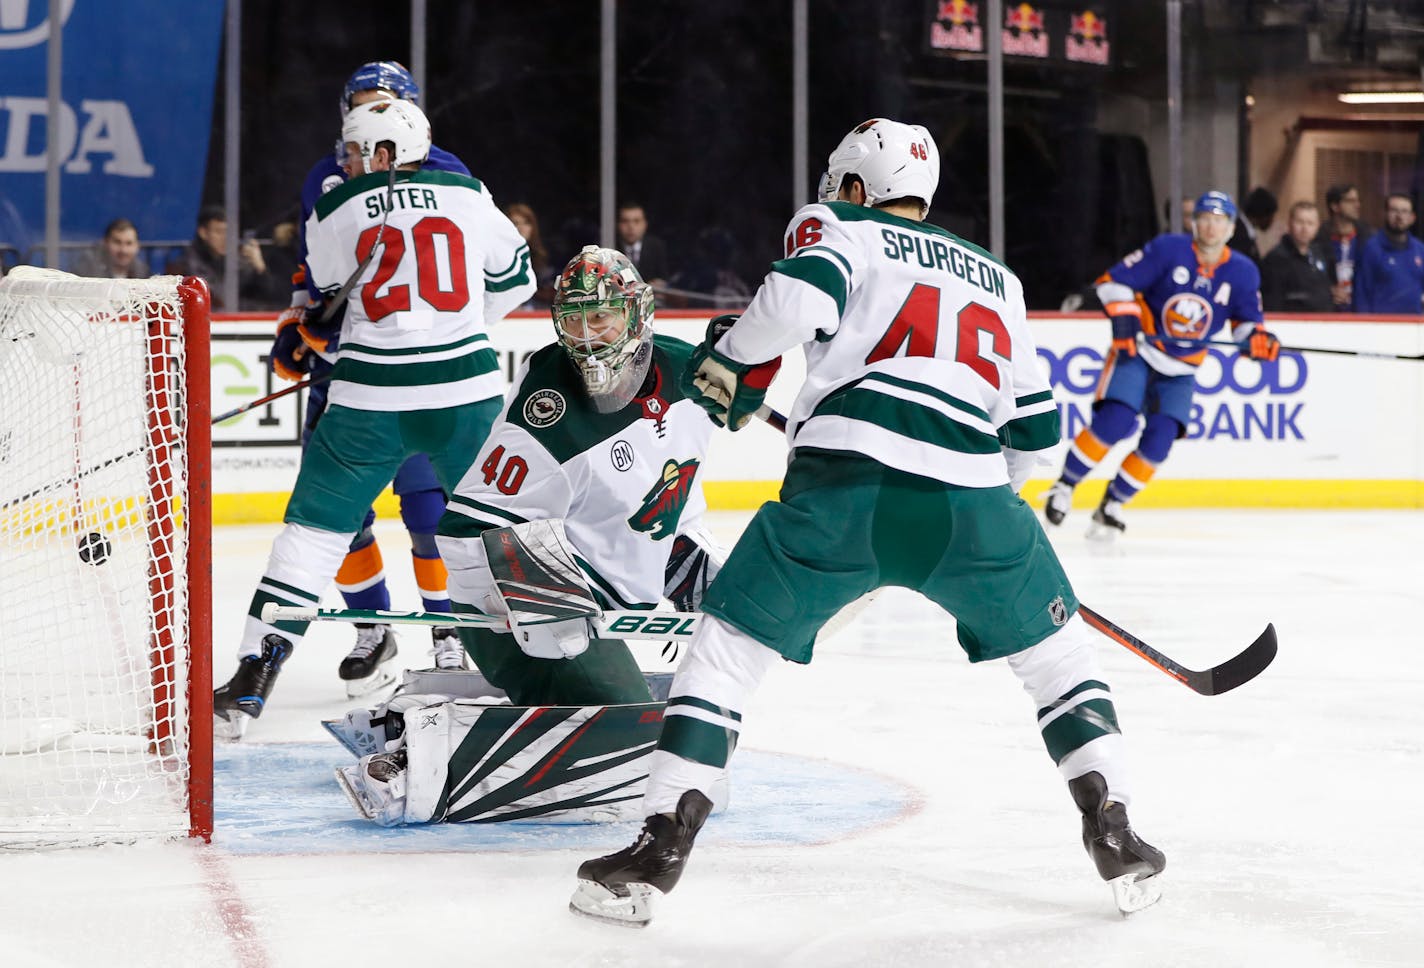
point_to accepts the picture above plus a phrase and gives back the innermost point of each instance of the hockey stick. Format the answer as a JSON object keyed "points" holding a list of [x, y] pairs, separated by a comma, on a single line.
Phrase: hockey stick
{"points": [[262, 401], [1236, 671], [1366, 354], [658, 626]]}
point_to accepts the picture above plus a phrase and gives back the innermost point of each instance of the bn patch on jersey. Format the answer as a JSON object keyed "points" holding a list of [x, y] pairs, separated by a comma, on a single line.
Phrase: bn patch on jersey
{"points": [[544, 408]]}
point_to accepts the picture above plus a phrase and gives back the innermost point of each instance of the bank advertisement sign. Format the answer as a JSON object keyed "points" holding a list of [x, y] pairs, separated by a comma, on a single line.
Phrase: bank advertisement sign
{"points": [[134, 118]]}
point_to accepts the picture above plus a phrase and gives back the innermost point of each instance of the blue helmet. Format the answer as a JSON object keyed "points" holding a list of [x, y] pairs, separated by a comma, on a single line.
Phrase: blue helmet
{"points": [[384, 76], [1218, 202]]}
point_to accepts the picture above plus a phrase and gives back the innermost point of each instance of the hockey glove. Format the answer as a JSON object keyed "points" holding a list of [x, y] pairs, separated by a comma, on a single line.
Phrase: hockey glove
{"points": [[321, 337], [730, 392], [287, 356], [1262, 345], [1124, 330]]}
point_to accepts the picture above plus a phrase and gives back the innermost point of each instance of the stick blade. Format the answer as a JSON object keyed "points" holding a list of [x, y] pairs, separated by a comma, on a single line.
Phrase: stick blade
{"points": [[1242, 668]]}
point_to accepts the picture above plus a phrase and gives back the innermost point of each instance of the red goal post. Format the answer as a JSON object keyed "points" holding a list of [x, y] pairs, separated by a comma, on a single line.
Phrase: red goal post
{"points": [[105, 560]]}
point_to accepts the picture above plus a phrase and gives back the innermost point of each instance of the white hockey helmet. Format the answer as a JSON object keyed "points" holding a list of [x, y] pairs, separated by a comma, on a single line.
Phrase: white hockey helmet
{"points": [[893, 160], [400, 122], [603, 314]]}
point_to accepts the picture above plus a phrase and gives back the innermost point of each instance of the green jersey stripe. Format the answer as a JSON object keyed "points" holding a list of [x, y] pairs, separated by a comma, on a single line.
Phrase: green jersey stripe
{"points": [[607, 588], [818, 273], [1038, 431], [293, 590], [504, 285], [472, 508], [928, 391], [521, 256], [414, 350], [825, 250], [908, 419], [1032, 398], [371, 181], [465, 367]]}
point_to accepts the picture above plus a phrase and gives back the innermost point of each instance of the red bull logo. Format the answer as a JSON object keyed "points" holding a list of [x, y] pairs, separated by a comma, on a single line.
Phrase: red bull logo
{"points": [[1087, 41], [1024, 34], [956, 27]]}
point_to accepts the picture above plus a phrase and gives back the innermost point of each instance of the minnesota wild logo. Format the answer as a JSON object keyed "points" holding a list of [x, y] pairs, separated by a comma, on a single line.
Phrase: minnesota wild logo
{"points": [[663, 504]]}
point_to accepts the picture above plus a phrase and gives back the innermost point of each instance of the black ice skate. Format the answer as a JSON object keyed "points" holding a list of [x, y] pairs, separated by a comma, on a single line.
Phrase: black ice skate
{"points": [[617, 888], [242, 697], [1107, 519], [1129, 864], [1058, 500], [363, 668]]}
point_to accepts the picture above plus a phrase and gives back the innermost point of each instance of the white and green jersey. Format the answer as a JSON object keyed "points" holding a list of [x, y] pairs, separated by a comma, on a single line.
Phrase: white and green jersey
{"points": [[918, 351], [625, 483], [451, 264]]}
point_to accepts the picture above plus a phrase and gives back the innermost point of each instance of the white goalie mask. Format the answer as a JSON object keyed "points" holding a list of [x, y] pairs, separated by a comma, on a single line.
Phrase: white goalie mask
{"points": [[893, 160], [603, 314], [400, 122]]}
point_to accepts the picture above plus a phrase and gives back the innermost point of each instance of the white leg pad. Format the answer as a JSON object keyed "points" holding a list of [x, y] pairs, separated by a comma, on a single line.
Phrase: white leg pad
{"points": [[305, 558]]}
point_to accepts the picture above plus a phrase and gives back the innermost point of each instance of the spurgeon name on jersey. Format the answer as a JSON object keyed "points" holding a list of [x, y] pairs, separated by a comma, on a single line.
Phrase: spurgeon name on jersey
{"points": [[624, 482], [414, 335], [918, 351], [1183, 302]]}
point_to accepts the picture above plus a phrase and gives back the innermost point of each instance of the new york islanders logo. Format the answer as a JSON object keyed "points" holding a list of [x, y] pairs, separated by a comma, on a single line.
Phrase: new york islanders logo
{"points": [[663, 504], [1186, 316]]}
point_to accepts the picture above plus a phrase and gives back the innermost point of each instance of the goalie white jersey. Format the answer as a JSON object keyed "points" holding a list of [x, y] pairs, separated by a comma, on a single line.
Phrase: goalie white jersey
{"points": [[449, 264], [918, 351], [625, 483]]}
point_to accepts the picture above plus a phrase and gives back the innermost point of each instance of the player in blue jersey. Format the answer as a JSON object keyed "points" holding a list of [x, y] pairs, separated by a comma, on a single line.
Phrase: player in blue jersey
{"points": [[1165, 301], [302, 347]]}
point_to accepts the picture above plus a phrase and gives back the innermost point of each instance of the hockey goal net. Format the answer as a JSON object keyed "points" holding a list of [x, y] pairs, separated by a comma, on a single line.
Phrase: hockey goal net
{"points": [[105, 560]]}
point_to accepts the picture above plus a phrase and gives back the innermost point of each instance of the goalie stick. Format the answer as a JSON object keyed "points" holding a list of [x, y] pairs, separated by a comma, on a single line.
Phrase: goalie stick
{"points": [[658, 626], [1236, 671]]}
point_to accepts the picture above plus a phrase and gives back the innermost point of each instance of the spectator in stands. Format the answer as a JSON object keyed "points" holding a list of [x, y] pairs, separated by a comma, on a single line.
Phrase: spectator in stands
{"points": [[1389, 276], [204, 258], [710, 282], [282, 254], [648, 252], [1258, 210], [115, 256], [1345, 233], [1297, 275], [527, 223]]}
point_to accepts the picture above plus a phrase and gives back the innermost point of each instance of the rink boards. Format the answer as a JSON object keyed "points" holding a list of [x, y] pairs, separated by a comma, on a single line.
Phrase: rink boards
{"points": [[1310, 431]]}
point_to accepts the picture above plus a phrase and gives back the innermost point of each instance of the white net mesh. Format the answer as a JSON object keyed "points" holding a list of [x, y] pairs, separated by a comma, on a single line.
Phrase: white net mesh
{"points": [[93, 481]]}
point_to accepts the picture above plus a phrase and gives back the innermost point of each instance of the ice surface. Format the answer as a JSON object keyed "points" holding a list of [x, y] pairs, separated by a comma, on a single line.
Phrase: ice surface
{"points": [[893, 805]]}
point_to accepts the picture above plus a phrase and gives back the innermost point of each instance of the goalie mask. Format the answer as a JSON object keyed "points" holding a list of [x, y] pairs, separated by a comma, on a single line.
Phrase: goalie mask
{"points": [[399, 122], [603, 314], [892, 160]]}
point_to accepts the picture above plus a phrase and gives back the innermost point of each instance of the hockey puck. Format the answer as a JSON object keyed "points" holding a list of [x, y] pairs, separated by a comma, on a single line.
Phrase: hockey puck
{"points": [[94, 548]]}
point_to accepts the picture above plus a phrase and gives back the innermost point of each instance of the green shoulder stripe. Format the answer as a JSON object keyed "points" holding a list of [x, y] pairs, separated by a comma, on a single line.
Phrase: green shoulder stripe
{"points": [[818, 273], [333, 199], [1038, 431]]}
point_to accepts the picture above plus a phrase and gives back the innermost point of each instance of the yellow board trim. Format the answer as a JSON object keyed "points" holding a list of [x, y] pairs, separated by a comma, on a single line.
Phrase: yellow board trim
{"points": [[266, 508]]}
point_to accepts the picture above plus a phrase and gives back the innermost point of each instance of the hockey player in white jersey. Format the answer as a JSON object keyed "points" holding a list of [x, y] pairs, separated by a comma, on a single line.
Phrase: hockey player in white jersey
{"points": [[598, 452], [429, 263], [923, 411]]}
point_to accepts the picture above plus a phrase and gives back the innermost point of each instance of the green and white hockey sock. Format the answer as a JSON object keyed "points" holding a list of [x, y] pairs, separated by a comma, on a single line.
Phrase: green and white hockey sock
{"points": [[703, 719], [302, 563]]}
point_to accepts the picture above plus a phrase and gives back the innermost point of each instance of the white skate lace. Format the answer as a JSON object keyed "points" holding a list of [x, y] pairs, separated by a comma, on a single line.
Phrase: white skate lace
{"points": [[367, 642]]}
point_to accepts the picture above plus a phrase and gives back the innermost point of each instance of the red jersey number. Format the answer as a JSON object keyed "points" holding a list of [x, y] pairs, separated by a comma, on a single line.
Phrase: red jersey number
{"points": [[806, 234], [917, 322], [424, 234], [509, 478]]}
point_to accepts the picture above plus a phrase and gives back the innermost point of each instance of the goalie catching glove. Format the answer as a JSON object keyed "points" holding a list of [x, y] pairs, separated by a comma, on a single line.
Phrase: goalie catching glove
{"points": [[730, 392], [539, 589]]}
